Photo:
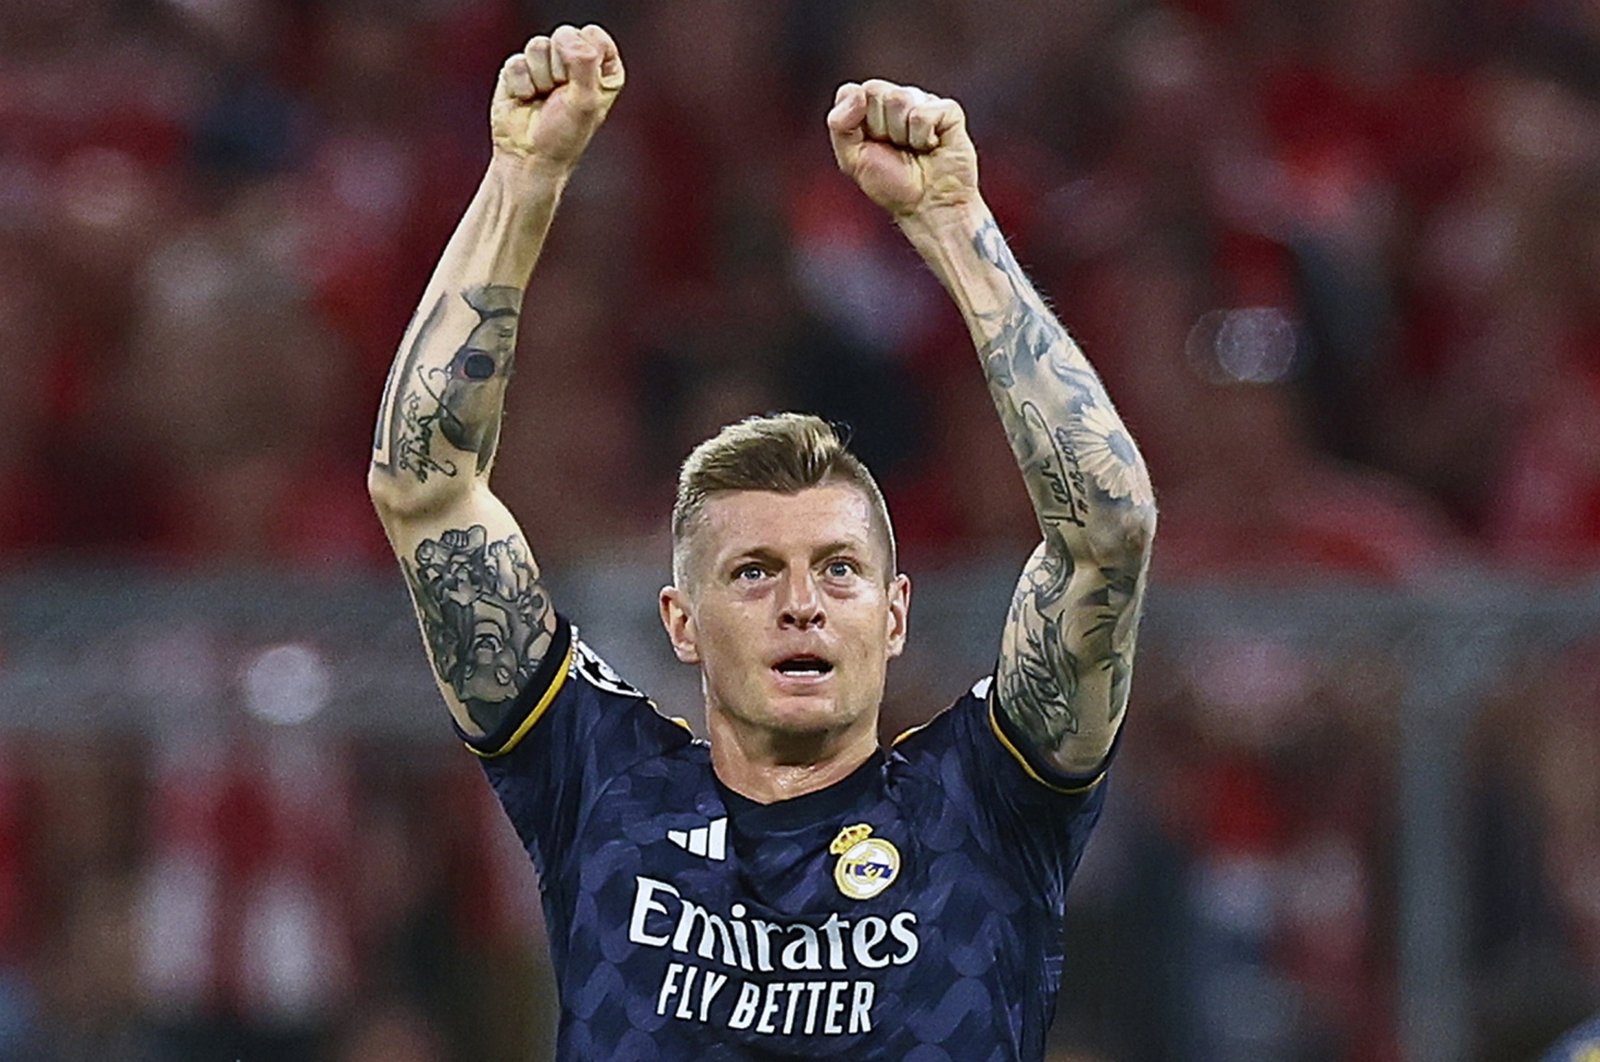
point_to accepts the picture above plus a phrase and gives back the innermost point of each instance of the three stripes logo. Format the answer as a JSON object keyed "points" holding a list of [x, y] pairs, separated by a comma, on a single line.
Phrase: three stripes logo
{"points": [[710, 840]]}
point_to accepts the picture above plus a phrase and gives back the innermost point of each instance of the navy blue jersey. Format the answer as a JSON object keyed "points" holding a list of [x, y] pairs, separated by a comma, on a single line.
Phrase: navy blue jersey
{"points": [[909, 911]]}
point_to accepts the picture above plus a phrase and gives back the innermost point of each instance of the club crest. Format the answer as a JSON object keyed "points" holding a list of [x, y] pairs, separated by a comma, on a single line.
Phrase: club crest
{"points": [[867, 864]]}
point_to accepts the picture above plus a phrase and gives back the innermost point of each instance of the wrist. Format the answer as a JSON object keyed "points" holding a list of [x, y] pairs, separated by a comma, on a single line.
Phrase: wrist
{"points": [[529, 173], [945, 226], [948, 239]]}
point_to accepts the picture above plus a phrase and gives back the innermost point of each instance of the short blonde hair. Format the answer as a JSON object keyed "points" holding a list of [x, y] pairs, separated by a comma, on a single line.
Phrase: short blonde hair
{"points": [[781, 452]]}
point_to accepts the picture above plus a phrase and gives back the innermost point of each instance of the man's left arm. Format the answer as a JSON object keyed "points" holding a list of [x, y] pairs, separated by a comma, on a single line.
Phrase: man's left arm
{"points": [[1066, 655]]}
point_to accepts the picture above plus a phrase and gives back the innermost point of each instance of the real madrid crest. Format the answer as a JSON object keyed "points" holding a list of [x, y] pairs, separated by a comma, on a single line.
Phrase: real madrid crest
{"points": [[867, 864]]}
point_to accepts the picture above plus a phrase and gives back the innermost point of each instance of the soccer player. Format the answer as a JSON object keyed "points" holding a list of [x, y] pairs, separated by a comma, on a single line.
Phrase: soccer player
{"points": [[788, 887]]}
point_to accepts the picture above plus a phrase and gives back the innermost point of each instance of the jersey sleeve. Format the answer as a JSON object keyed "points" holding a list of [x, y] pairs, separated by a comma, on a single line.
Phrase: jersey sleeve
{"points": [[1023, 811], [575, 728]]}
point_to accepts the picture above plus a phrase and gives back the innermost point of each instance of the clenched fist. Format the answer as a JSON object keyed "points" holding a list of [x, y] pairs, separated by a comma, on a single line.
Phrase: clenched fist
{"points": [[554, 94], [907, 149]]}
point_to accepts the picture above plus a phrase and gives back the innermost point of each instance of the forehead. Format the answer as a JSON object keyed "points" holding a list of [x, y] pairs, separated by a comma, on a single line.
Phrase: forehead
{"points": [[733, 522]]}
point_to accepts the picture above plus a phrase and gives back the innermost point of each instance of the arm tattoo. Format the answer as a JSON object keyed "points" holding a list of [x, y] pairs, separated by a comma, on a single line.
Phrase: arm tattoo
{"points": [[1113, 609], [485, 616], [460, 399], [394, 440], [1070, 634], [1084, 437], [1039, 687]]}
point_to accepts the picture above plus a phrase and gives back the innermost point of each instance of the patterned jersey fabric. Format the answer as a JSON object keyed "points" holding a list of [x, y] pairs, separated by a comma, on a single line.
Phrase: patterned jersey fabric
{"points": [[909, 911]]}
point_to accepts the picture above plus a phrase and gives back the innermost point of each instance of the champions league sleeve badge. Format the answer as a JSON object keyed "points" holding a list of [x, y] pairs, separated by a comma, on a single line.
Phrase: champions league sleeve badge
{"points": [[867, 864], [587, 663]]}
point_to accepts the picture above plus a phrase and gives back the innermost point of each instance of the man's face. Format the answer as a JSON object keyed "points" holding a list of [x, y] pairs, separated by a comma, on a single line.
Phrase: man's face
{"points": [[789, 609]]}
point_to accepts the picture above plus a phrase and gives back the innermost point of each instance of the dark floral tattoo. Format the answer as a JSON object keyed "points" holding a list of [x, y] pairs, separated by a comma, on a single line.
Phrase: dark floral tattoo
{"points": [[485, 617]]}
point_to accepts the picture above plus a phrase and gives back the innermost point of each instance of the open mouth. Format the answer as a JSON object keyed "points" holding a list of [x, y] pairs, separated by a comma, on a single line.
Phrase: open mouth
{"points": [[803, 667]]}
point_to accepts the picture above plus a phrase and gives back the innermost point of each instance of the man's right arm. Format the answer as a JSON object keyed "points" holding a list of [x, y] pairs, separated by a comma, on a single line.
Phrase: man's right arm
{"points": [[487, 622]]}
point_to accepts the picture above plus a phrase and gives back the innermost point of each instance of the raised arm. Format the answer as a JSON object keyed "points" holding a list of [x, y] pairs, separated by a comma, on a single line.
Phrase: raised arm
{"points": [[486, 619], [1066, 654]]}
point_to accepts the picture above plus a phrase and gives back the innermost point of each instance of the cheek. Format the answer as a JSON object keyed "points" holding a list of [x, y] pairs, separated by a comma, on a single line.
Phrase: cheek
{"points": [[871, 624], [722, 644]]}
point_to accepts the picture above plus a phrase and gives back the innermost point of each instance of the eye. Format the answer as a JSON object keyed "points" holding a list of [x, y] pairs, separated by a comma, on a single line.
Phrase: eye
{"points": [[748, 573], [841, 568]]}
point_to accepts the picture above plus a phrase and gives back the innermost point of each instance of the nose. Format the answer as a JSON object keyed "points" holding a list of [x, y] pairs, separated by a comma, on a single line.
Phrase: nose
{"points": [[801, 605]]}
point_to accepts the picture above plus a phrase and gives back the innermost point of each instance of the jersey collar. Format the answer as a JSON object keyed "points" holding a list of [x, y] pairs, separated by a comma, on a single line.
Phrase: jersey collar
{"points": [[821, 806]]}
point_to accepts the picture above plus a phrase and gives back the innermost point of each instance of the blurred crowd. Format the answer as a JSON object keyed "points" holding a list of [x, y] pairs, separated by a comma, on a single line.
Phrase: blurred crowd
{"points": [[1339, 263], [267, 899]]}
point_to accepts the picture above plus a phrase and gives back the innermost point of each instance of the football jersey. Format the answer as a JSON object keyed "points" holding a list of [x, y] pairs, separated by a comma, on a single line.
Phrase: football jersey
{"points": [[912, 910]]}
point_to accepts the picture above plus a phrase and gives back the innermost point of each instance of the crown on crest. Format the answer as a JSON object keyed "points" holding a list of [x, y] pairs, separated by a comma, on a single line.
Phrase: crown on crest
{"points": [[849, 837]]}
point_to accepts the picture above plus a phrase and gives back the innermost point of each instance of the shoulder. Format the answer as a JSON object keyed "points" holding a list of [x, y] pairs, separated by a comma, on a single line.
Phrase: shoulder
{"points": [[930, 737], [581, 704], [970, 746], [592, 678]]}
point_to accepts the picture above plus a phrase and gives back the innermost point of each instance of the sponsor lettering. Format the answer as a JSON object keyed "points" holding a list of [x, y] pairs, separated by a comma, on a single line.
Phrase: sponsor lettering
{"points": [[773, 1008], [663, 917]]}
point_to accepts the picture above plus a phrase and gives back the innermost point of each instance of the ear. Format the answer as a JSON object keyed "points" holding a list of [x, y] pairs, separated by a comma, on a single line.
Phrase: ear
{"points": [[679, 622], [899, 611]]}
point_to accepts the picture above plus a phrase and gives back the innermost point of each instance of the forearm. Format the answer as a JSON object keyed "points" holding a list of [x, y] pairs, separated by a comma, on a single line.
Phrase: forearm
{"points": [[439, 420], [1087, 479], [1067, 649]]}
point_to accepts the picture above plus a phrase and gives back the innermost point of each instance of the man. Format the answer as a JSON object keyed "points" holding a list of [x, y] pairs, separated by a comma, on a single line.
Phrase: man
{"points": [[788, 887]]}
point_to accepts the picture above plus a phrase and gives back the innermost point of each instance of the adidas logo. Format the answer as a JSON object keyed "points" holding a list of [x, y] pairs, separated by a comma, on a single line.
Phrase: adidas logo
{"points": [[710, 840]]}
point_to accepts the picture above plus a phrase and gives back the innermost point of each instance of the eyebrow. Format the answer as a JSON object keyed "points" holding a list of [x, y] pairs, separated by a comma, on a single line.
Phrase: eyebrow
{"points": [[764, 553], [850, 546]]}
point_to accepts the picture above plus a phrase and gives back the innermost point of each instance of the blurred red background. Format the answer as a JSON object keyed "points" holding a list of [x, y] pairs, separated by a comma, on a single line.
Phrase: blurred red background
{"points": [[1338, 262]]}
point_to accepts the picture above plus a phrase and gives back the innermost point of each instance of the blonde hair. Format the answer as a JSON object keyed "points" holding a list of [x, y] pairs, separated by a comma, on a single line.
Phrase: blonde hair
{"points": [[781, 452]]}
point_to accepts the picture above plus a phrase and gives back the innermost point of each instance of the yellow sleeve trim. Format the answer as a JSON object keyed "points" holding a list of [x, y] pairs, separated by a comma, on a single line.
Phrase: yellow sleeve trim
{"points": [[1005, 742], [906, 733], [538, 709]]}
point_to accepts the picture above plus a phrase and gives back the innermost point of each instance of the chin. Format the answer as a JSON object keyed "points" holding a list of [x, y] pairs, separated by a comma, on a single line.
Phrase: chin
{"points": [[802, 713], [806, 715]]}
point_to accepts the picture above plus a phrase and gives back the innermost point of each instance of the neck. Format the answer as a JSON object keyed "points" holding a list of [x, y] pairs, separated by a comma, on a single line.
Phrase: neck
{"points": [[768, 767]]}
